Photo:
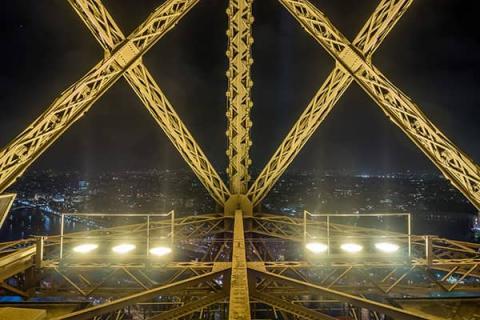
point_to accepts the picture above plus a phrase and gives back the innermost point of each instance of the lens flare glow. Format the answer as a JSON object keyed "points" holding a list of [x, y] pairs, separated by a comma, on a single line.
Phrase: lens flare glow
{"points": [[387, 247], [85, 248], [124, 248], [160, 251], [316, 247], [351, 247]]}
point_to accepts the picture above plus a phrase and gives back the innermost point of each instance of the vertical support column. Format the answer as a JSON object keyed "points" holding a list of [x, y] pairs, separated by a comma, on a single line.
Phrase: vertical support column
{"points": [[239, 102], [239, 295], [172, 229], [409, 230], [429, 250], [328, 235], [39, 252], [62, 221], [6, 201], [148, 236]]}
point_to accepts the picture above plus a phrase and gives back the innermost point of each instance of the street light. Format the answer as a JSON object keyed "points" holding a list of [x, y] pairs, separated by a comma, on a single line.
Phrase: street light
{"points": [[387, 247], [316, 247], [160, 251], [85, 248], [124, 248], [351, 247]]}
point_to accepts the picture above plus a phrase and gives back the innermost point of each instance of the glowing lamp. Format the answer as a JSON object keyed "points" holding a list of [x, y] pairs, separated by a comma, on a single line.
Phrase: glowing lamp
{"points": [[160, 251], [316, 247], [351, 247], [85, 248], [124, 248], [387, 247]]}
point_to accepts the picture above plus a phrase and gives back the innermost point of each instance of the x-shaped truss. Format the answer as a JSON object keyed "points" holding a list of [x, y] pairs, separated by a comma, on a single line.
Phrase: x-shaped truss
{"points": [[276, 282], [282, 285], [354, 64], [123, 58], [241, 281]]}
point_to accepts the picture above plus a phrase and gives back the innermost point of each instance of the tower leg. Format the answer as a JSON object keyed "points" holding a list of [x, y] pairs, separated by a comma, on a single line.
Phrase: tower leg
{"points": [[239, 293]]}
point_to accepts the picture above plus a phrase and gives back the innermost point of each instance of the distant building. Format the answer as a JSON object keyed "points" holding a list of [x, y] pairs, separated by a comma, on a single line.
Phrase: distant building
{"points": [[59, 198], [83, 185]]}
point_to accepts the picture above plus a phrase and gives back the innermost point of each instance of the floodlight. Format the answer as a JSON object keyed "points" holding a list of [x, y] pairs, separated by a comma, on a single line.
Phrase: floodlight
{"points": [[85, 248], [387, 247], [123, 248], [316, 247], [351, 247], [160, 251]]}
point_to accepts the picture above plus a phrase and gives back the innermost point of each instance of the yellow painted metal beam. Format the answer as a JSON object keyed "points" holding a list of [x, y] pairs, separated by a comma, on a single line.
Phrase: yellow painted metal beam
{"points": [[138, 297], [6, 201], [388, 310], [382, 21], [74, 102], [191, 307], [239, 308], [295, 309], [14, 290], [16, 262], [456, 166], [239, 102], [99, 21], [10, 313]]}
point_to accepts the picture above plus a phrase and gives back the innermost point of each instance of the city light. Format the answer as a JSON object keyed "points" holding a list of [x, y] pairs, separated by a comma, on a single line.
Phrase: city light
{"points": [[387, 247], [85, 248], [351, 247], [160, 251], [123, 248], [316, 247]]}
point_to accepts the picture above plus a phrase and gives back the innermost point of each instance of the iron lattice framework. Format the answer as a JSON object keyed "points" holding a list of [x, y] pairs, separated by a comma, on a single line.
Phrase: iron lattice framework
{"points": [[228, 266], [238, 95], [382, 21]]}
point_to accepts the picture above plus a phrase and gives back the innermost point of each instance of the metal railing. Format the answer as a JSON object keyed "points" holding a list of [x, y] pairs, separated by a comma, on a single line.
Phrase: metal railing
{"points": [[143, 232], [322, 227]]}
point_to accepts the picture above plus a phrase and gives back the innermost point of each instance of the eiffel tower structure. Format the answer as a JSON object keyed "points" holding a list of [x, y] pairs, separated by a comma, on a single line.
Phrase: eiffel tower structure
{"points": [[240, 263]]}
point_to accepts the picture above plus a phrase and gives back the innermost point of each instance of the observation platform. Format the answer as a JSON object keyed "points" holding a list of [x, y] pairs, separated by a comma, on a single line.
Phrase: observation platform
{"points": [[165, 267]]}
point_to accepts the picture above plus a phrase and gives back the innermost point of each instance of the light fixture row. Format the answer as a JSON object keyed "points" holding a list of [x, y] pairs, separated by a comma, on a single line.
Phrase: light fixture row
{"points": [[351, 247], [121, 249]]}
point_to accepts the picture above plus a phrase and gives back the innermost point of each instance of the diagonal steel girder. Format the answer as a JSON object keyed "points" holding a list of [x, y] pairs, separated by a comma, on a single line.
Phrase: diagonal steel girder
{"points": [[146, 295], [381, 22], [102, 25], [289, 307], [371, 305], [191, 307], [74, 102], [455, 165]]}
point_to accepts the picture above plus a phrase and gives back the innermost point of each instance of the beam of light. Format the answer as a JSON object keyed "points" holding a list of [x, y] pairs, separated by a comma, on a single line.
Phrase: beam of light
{"points": [[316, 247], [124, 248], [387, 247], [160, 251], [85, 248], [351, 247]]}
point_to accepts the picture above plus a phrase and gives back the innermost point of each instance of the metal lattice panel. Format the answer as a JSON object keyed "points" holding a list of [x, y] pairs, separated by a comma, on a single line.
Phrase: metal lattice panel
{"points": [[238, 93], [230, 259], [382, 21], [77, 100], [454, 164], [108, 34]]}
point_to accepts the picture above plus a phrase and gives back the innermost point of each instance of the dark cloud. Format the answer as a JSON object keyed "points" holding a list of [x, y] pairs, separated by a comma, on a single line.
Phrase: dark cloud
{"points": [[432, 55]]}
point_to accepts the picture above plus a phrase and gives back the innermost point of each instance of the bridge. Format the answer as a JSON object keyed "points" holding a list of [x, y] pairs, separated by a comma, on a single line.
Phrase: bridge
{"points": [[239, 263]]}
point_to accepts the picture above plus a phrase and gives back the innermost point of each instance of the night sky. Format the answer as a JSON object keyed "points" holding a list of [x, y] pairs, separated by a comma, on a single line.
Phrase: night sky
{"points": [[432, 55]]}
